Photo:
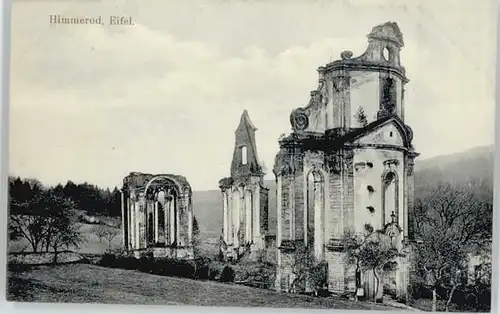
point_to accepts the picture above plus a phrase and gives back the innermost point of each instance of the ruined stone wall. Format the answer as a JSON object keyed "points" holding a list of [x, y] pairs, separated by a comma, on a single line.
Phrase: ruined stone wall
{"points": [[348, 195], [369, 168], [299, 205], [365, 93], [264, 211], [336, 271], [334, 219], [286, 204]]}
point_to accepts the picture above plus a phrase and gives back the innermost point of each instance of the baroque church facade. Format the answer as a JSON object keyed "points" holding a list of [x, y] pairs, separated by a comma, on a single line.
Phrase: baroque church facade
{"points": [[244, 196], [348, 163]]}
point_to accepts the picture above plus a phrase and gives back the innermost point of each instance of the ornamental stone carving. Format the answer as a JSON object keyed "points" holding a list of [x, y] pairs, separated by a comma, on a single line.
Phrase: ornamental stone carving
{"points": [[299, 119]]}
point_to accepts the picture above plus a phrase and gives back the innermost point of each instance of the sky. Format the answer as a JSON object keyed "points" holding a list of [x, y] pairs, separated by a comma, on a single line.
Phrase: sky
{"points": [[93, 103]]}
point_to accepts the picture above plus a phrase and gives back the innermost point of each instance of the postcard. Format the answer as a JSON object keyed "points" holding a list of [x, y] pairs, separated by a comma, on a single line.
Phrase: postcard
{"points": [[231, 153]]}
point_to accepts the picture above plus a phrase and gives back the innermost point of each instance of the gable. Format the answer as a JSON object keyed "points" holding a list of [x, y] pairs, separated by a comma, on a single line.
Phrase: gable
{"points": [[245, 159], [388, 134]]}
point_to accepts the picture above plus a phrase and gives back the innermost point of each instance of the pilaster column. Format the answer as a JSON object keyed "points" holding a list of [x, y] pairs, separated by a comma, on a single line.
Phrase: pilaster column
{"points": [[177, 222], [279, 210], [318, 241], [137, 218], [190, 222], [224, 216], [229, 198], [156, 220], [172, 210], [134, 214], [236, 218], [166, 214], [130, 211], [129, 222], [123, 219], [248, 216], [242, 221]]}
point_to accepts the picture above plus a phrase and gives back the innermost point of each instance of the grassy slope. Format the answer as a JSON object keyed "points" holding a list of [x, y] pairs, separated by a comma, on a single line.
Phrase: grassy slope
{"points": [[87, 284]]}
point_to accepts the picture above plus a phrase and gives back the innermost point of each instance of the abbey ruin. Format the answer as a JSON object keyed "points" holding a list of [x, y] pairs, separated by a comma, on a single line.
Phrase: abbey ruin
{"points": [[347, 166]]}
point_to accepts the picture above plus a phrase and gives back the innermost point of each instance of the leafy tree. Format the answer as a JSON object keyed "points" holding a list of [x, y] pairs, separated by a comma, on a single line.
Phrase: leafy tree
{"points": [[21, 192], [450, 221]]}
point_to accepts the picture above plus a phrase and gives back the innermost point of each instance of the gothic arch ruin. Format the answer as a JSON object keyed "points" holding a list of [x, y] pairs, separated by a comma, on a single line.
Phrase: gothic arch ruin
{"points": [[157, 215]]}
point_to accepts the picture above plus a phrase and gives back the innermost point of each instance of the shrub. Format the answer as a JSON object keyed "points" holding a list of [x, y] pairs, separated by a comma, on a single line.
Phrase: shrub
{"points": [[127, 262], [146, 263], [107, 260], [17, 267], [202, 268], [227, 274]]}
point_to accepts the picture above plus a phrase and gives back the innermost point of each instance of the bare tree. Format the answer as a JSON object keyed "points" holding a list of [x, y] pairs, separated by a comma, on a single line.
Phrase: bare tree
{"points": [[307, 270], [28, 227], [352, 246], [100, 232], [65, 235], [371, 251], [449, 221], [106, 233], [40, 219], [111, 234]]}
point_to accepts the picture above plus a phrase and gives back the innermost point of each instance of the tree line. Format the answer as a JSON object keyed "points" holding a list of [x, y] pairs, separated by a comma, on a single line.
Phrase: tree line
{"points": [[85, 196]]}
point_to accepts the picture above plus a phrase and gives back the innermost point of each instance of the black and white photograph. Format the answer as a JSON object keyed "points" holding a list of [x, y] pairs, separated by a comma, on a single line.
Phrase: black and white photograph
{"points": [[297, 154]]}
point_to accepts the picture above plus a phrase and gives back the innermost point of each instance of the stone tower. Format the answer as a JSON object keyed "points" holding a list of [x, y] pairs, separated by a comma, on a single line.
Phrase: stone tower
{"points": [[348, 163], [245, 199]]}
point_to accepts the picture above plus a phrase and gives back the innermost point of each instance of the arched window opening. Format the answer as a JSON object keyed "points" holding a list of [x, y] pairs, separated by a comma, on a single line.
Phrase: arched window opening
{"points": [[236, 211], [310, 210], [389, 95], [386, 54], [161, 197], [160, 203], [315, 209], [390, 197], [244, 159], [150, 227], [169, 213]]}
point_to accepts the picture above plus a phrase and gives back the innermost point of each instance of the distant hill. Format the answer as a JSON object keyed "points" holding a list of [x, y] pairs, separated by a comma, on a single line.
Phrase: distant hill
{"points": [[475, 163]]}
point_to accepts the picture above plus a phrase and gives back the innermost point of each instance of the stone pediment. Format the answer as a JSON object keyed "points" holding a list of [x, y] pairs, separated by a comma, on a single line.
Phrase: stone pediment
{"points": [[388, 134]]}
